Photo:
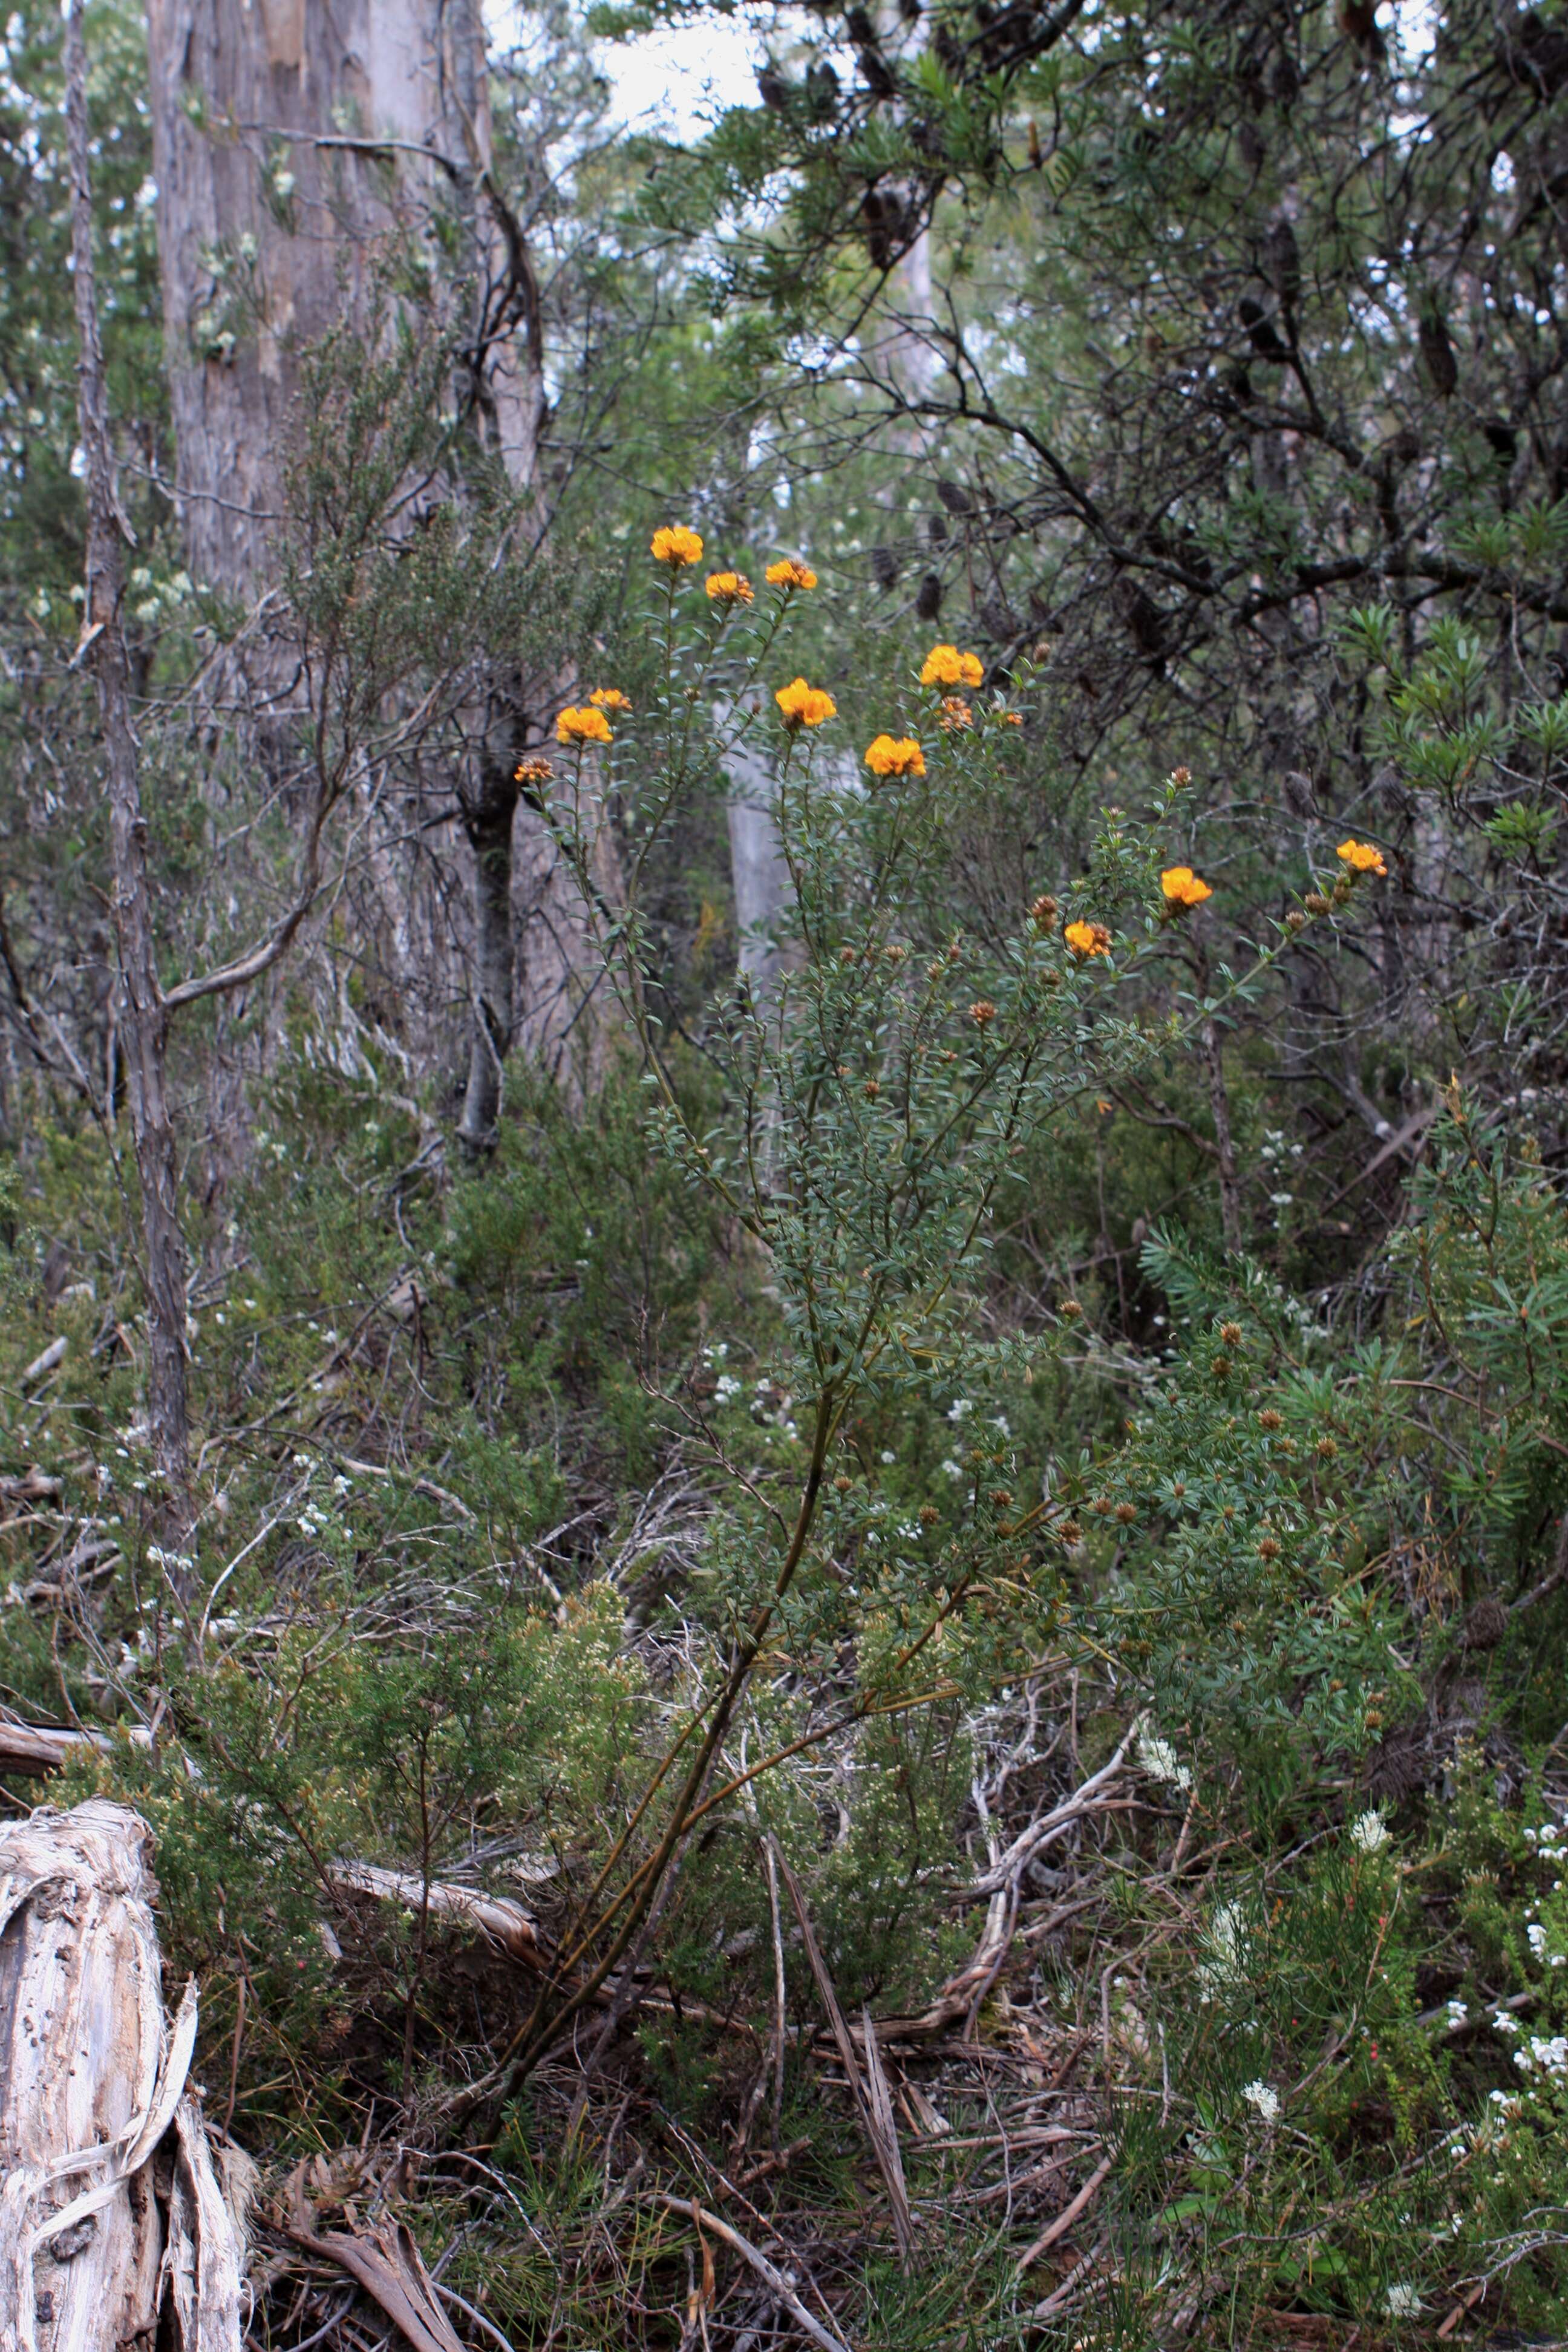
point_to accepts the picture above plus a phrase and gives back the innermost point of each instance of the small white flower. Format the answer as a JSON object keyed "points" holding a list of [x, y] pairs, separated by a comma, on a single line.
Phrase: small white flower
{"points": [[1504, 2022], [1537, 1935], [960, 1409], [953, 1469], [1369, 1832], [1401, 2301], [889, 1454], [1264, 2098], [1458, 2011]]}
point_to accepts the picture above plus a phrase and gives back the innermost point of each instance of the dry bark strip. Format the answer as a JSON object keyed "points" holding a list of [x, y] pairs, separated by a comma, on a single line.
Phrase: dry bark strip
{"points": [[386, 2262], [110, 2211], [868, 2085]]}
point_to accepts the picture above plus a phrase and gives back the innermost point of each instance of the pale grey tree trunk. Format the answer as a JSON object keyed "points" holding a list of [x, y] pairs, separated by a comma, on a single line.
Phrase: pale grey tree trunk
{"points": [[758, 870], [142, 1014], [296, 147]]}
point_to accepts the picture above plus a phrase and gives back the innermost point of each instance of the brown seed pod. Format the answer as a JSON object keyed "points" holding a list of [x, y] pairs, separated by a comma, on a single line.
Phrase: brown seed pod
{"points": [[1486, 1623]]}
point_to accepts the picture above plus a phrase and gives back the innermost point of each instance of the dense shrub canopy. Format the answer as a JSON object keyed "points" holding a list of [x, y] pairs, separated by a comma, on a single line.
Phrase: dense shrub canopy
{"points": [[954, 1493]]}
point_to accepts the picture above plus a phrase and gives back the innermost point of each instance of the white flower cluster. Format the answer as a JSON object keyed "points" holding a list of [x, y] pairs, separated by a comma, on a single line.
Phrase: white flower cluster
{"points": [[174, 1560], [1401, 2301], [1550, 1842], [1226, 1942], [1547, 2052], [1262, 2097], [1160, 1760], [1369, 1832]]}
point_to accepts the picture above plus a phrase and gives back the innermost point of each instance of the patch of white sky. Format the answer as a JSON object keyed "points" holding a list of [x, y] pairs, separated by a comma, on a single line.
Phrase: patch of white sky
{"points": [[673, 81]]}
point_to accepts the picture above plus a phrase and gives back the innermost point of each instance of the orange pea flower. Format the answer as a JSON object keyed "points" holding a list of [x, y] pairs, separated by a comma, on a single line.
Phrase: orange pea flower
{"points": [[582, 726], [677, 546], [895, 756], [804, 706], [945, 666]]}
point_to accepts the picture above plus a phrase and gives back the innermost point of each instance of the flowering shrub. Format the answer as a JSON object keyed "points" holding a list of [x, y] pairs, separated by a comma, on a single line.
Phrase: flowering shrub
{"points": [[876, 1103]]}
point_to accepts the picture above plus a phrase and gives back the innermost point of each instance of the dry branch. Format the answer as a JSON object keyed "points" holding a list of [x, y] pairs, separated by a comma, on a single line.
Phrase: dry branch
{"points": [[773, 2278]]}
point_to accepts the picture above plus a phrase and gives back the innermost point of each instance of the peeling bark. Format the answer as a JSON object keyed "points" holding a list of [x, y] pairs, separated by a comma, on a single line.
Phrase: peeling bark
{"points": [[112, 2218]]}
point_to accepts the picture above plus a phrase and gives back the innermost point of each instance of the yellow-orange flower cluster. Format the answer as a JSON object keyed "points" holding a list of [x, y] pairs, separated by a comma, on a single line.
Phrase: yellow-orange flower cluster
{"points": [[1360, 858], [676, 546], [582, 726], [1182, 887], [1087, 940], [953, 712], [610, 698], [898, 755], [945, 666], [804, 706], [729, 588], [536, 771], [787, 574]]}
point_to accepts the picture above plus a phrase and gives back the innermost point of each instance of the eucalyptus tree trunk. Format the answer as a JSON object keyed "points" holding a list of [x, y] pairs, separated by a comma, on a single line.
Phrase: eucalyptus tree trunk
{"points": [[142, 1014], [301, 151]]}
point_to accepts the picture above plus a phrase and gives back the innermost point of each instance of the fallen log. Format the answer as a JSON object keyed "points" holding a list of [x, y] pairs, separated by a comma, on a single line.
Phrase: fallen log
{"points": [[496, 1918], [43, 1748], [112, 2223]]}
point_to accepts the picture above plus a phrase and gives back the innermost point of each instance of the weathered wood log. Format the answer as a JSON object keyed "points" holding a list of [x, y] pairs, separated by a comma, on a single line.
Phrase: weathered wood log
{"points": [[110, 2211], [496, 1918]]}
